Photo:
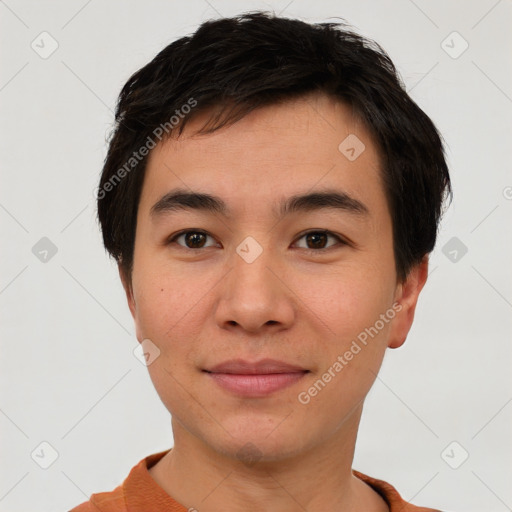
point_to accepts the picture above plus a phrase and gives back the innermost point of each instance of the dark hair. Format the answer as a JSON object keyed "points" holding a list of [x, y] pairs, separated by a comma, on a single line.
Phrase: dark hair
{"points": [[239, 64]]}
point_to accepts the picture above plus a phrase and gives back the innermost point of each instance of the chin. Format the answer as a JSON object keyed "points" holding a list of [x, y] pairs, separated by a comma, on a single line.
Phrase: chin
{"points": [[263, 439]]}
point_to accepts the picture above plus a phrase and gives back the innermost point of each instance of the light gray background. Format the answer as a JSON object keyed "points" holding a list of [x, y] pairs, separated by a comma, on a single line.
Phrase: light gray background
{"points": [[68, 374]]}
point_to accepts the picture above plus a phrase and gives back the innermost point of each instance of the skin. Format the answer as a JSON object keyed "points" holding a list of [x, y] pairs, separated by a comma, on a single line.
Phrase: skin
{"points": [[201, 306]]}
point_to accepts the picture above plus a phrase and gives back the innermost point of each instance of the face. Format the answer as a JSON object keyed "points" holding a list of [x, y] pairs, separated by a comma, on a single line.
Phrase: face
{"points": [[271, 315]]}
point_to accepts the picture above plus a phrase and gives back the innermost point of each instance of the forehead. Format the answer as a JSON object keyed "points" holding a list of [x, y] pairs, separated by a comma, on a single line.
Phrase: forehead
{"points": [[279, 150]]}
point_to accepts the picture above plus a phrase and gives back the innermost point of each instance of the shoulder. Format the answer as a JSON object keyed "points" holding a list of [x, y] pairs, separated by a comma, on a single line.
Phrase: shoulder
{"points": [[104, 502], [391, 496], [137, 487]]}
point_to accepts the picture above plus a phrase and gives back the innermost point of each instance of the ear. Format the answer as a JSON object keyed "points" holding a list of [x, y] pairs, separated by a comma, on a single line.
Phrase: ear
{"points": [[406, 295], [127, 285]]}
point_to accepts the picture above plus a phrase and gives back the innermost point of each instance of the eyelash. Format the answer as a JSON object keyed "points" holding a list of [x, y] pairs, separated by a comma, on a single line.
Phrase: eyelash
{"points": [[340, 240]]}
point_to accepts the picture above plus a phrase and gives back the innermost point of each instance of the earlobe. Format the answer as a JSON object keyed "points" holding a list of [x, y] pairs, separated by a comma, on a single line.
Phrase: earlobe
{"points": [[407, 294]]}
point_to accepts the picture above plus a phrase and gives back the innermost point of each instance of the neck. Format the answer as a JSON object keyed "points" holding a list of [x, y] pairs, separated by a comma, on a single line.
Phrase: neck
{"points": [[201, 478]]}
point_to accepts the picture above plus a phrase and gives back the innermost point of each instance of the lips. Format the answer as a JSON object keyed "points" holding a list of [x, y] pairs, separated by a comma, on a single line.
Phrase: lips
{"points": [[265, 366], [256, 379]]}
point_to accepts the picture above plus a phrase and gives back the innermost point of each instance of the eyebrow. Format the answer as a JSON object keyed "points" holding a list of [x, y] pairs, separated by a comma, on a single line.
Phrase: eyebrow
{"points": [[180, 199]]}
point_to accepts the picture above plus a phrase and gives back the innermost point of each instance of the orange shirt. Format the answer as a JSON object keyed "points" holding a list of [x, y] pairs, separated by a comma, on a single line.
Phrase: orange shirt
{"points": [[140, 493]]}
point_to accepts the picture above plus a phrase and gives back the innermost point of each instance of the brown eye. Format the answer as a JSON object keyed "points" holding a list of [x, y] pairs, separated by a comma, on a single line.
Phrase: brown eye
{"points": [[192, 239], [317, 240], [195, 240]]}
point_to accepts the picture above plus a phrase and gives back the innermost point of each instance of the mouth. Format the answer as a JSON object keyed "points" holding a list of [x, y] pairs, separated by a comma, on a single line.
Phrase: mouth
{"points": [[257, 379]]}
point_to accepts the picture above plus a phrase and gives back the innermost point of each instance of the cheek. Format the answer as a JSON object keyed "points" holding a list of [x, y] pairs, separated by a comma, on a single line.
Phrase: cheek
{"points": [[165, 299], [171, 311], [351, 345], [348, 300]]}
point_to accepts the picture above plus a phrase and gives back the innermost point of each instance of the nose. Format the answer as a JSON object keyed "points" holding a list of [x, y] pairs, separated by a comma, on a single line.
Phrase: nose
{"points": [[255, 297]]}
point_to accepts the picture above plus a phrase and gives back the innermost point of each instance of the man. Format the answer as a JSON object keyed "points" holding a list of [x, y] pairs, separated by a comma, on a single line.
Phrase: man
{"points": [[271, 195]]}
